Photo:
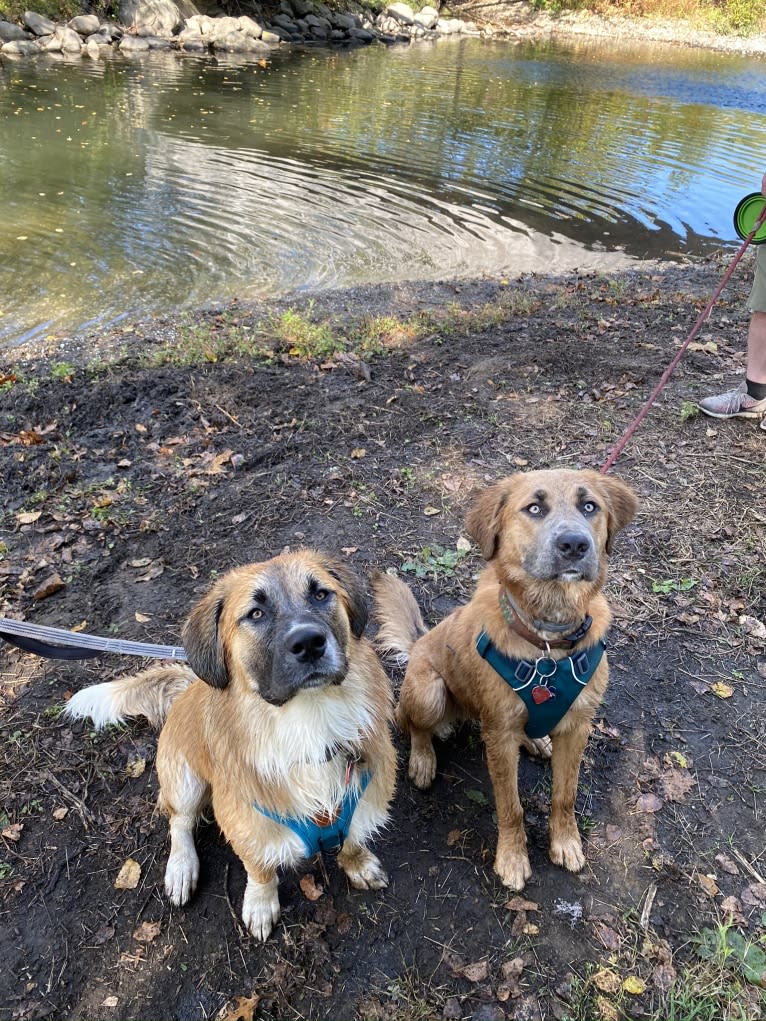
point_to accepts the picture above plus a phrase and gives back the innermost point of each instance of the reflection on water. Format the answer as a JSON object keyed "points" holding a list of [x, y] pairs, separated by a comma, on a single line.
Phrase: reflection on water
{"points": [[174, 181]]}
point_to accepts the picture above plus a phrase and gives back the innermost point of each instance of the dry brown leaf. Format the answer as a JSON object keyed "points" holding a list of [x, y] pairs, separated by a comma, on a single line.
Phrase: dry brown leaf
{"points": [[135, 768], [28, 517], [732, 908], [676, 784], [140, 562], [142, 618], [242, 1008], [357, 453], [607, 936], [52, 584], [311, 889], [520, 904], [13, 832], [754, 895], [606, 1010], [607, 981], [708, 884], [128, 876], [476, 972], [727, 864], [110, 1001], [60, 813], [648, 803], [430, 511], [453, 837], [147, 932], [663, 977]]}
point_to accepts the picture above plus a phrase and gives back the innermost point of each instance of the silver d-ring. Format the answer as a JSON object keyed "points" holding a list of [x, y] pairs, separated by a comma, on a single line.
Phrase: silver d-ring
{"points": [[550, 669]]}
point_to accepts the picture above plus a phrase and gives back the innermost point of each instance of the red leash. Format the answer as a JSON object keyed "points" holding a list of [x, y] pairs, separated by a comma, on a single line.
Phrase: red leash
{"points": [[618, 448]]}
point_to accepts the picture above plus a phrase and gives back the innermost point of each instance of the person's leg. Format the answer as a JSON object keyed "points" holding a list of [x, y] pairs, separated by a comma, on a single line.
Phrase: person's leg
{"points": [[749, 399]]}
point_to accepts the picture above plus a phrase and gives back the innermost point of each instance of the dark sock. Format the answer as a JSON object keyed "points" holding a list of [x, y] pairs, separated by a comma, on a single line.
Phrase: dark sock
{"points": [[756, 390]]}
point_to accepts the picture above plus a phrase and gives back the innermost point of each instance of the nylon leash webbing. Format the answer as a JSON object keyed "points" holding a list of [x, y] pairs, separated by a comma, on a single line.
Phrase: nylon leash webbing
{"points": [[55, 643]]}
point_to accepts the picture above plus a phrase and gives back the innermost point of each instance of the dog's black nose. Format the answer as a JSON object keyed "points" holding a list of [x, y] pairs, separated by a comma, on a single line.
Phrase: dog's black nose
{"points": [[307, 644], [573, 545]]}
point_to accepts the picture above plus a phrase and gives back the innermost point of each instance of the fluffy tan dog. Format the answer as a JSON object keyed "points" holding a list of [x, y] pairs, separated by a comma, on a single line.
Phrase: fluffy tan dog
{"points": [[525, 655], [286, 734]]}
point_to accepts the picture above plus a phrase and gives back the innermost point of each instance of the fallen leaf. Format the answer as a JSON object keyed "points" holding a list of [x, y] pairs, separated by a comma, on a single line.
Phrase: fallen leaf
{"points": [[663, 977], [243, 1008], [311, 889], [60, 813], [349, 550], [27, 517], [634, 985], [520, 904], [607, 981], [732, 908], [648, 803], [142, 618], [140, 562], [476, 972], [52, 584], [147, 932], [606, 1010], [607, 936], [722, 690], [708, 884], [727, 864], [430, 511], [358, 452], [135, 768], [13, 832], [110, 1001], [754, 895], [453, 837], [128, 876], [463, 545], [676, 785]]}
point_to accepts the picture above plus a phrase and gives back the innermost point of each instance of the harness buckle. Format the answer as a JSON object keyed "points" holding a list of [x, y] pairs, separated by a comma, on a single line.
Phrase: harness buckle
{"points": [[580, 663]]}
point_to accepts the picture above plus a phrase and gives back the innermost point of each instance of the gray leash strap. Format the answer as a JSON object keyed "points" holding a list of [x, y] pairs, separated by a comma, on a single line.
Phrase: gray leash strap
{"points": [[55, 643]]}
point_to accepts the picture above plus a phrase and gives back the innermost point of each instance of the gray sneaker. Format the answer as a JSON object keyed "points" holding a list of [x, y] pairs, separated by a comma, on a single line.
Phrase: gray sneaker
{"points": [[734, 404]]}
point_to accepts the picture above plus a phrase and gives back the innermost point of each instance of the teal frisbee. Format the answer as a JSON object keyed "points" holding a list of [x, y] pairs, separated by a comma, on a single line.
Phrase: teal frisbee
{"points": [[746, 216]]}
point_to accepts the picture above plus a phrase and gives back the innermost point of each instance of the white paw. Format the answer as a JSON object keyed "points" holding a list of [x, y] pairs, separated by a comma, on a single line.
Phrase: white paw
{"points": [[181, 876], [260, 908], [513, 868], [365, 872]]}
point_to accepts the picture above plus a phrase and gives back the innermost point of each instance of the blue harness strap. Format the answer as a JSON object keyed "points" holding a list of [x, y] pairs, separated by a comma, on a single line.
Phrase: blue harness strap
{"points": [[548, 687], [315, 836]]}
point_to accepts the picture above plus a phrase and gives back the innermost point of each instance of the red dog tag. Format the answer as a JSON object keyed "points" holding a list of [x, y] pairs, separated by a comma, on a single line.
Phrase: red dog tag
{"points": [[541, 694]]}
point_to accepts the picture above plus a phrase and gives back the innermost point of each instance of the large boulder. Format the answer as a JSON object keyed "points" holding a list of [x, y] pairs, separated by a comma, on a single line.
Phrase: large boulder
{"points": [[20, 48], [84, 24], [402, 12], [150, 17], [11, 33], [38, 24]]}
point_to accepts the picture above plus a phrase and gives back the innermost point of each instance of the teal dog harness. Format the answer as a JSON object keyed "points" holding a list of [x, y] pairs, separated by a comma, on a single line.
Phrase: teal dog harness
{"points": [[324, 834], [548, 687]]}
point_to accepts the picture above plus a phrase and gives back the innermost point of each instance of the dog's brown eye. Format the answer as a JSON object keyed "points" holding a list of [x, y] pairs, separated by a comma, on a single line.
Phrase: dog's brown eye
{"points": [[321, 594]]}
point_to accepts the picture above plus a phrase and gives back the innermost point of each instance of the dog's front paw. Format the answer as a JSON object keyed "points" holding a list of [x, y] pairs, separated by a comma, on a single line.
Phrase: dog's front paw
{"points": [[422, 769], [537, 747], [567, 851], [260, 908], [363, 869], [513, 868], [181, 875]]}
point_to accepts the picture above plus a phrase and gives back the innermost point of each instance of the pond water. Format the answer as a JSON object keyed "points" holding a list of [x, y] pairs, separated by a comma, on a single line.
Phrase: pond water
{"points": [[154, 184]]}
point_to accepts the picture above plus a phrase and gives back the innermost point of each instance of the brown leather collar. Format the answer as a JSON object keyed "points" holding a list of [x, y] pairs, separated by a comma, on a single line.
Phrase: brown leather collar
{"points": [[514, 622]]}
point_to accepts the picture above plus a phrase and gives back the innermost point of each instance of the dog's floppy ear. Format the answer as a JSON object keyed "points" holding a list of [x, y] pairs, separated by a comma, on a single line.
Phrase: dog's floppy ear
{"points": [[202, 640], [621, 506], [485, 517], [354, 594]]}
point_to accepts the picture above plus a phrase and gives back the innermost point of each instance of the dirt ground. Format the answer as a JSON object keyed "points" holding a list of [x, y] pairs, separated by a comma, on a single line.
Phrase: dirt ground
{"points": [[137, 467]]}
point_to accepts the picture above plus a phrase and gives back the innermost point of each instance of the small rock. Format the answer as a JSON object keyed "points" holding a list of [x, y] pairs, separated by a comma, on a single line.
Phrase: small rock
{"points": [[452, 1011], [53, 583]]}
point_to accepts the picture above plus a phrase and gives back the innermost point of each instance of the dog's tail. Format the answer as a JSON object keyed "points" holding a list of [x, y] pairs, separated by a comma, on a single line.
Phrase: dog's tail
{"points": [[398, 614], [148, 694]]}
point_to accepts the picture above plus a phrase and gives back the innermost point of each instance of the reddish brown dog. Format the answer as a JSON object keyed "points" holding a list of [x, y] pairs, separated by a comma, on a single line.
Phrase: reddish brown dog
{"points": [[546, 536]]}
